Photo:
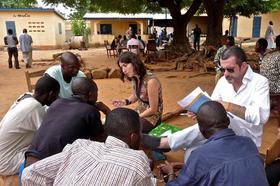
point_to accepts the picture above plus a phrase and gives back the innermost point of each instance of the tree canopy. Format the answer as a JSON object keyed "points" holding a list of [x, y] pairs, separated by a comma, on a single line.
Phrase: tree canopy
{"points": [[17, 3], [250, 7]]}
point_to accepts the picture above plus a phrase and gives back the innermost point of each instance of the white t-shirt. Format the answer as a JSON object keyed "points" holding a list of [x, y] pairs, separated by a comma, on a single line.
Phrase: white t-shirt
{"points": [[17, 129], [253, 94], [133, 41], [65, 88]]}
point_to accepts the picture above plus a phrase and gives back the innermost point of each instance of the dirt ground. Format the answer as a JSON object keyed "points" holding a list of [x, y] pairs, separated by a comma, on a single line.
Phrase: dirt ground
{"points": [[175, 85]]}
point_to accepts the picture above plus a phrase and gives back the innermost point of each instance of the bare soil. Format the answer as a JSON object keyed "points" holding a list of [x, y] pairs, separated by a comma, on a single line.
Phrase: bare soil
{"points": [[175, 85]]}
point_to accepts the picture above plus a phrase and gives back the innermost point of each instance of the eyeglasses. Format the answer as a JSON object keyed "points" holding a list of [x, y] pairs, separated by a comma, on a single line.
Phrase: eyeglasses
{"points": [[230, 70]]}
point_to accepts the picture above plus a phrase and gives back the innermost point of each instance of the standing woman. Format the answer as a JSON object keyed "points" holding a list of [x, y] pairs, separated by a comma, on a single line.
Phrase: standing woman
{"points": [[146, 91], [269, 35]]}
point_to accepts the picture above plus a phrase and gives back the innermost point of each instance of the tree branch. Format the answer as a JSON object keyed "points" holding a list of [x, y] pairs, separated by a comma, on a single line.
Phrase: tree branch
{"points": [[192, 10]]}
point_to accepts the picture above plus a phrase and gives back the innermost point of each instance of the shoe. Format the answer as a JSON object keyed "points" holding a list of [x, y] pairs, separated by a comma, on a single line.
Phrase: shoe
{"points": [[17, 67], [27, 66]]}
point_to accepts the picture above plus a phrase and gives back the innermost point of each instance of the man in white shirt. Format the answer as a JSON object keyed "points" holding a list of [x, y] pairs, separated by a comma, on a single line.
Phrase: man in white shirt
{"points": [[85, 162], [11, 42], [66, 73], [26, 41], [20, 123], [134, 45], [245, 96]]}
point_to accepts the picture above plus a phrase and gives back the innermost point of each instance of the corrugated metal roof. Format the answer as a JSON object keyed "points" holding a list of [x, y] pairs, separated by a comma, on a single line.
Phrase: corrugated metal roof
{"points": [[32, 10], [125, 16]]}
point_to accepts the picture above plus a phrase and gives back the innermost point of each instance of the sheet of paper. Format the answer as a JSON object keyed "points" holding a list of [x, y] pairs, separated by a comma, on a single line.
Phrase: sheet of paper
{"points": [[166, 133]]}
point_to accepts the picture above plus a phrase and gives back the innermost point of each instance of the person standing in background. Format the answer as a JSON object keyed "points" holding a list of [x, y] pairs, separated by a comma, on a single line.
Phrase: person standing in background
{"points": [[196, 34], [11, 42], [269, 35], [25, 41]]}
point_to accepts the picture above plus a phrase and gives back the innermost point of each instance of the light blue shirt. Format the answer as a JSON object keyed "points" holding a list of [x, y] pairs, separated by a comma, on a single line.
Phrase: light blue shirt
{"points": [[25, 41], [65, 88]]}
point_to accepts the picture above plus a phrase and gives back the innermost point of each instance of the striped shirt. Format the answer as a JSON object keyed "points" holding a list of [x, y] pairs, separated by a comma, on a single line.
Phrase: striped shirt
{"points": [[92, 163]]}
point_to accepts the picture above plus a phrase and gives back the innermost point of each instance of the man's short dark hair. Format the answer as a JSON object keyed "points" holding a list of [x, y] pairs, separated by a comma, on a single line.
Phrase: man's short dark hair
{"points": [[121, 122], [24, 30], [10, 31], [277, 41], [231, 41], [236, 52], [263, 43], [212, 114], [46, 84]]}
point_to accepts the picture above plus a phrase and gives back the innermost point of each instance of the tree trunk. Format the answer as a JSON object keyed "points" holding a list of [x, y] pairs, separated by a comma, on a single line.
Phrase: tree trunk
{"points": [[181, 42], [215, 12]]}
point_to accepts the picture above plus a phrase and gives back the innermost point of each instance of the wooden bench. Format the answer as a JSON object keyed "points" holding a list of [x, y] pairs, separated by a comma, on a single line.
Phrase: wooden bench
{"points": [[272, 153]]}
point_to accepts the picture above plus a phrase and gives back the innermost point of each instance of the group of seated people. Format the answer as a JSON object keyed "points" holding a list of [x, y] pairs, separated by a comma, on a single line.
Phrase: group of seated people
{"points": [[67, 144], [133, 44]]}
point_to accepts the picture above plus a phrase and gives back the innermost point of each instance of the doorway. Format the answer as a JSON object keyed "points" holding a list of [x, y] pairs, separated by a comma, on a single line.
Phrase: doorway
{"points": [[11, 25]]}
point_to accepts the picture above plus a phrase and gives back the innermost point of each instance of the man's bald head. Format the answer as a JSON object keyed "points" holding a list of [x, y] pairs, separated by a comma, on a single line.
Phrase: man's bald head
{"points": [[211, 118], [85, 88], [69, 57], [70, 64]]}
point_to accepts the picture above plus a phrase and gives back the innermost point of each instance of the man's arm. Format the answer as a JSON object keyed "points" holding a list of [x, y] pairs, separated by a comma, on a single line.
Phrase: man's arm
{"points": [[186, 138], [5, 41], [234, 109], [16, 40], [257, 111], [43, 172]]}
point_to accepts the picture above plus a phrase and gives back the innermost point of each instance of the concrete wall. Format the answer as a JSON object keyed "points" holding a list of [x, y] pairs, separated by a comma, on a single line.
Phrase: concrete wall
{"points": [[42, 26], [245, 24], [275, 18], [119, 27]]}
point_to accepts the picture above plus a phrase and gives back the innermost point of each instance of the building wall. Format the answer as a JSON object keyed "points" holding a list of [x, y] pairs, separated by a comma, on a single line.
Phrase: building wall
{"points": [[245, 24], [42, 26], [68, 31], [201, 21], [119, 27], [275, 18]]}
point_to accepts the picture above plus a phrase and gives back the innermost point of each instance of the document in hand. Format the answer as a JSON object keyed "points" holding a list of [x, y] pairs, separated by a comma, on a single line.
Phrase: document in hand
{"points": [[194, 100]]}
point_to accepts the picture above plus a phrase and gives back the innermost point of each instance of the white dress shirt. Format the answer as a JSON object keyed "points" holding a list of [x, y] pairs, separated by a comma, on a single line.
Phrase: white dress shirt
{"points": [[253, 94], [92, 163]]}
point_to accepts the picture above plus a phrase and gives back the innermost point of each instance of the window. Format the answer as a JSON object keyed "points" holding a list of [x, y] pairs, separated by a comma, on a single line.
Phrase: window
{"points": [[36, 25], [59, 28], [105, 28]]}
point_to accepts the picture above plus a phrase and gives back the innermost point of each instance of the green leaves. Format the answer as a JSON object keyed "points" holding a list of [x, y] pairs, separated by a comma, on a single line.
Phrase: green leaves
{"points": [[17, 3], [250, 7], [79, 27]]}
